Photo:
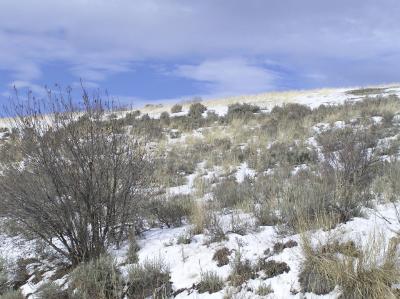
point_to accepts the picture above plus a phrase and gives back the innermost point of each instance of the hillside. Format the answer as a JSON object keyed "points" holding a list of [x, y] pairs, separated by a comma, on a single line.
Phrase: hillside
{"points": [[276, 195]]}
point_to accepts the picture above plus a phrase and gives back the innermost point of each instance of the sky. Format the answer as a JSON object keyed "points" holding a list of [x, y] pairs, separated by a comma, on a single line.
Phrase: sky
{"points": [[143, 51]]}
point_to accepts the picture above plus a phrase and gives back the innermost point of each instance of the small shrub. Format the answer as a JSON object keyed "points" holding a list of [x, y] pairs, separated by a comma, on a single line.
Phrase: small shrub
{"points": [[149, 279], [279, 247], [14, 294], [97, 279], [272, 268], [133, 248], [221, 256], [171, 211], [184, 238], [214, 228], [196, 110], [242, 270], [264, 290], [164, 118], [176, 108], [51, 291], [210, 282], [241, 111]]}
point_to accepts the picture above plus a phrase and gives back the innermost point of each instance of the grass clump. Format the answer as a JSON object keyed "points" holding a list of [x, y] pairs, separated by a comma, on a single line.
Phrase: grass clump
{"points": [[210, 282], [360, 273], [99, 279], [150, 279]]}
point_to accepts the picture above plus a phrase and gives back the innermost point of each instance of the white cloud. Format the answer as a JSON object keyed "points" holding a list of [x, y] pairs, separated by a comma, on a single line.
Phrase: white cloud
{"points": [[230, 76], [96, 38]]}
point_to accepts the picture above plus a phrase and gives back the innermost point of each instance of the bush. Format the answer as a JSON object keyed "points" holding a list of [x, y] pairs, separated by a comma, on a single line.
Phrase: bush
{"points": [[66, 175], [210, 282], [305, 200], [196, 110], [243, 111], [14, 294], [230, 193], [164, 118], [98, 278], [292, 111], [133, 248], [51, 291], [242, 270], [149, 279], [272, 268], [350, 166], [171, 211], [176, 108], [279, 247], [264, 290], [221, 256]]}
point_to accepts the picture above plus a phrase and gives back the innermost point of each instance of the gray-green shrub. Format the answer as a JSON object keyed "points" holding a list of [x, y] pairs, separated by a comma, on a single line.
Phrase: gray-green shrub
{"points": [[98, 278], [149, 279]]}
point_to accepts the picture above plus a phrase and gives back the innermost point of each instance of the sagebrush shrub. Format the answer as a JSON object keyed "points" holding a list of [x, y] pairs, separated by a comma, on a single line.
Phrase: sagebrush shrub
{"points": [[176, 108], [52, 290], [196, 110], [151, 278], [12, 294], [221, 256], [98, 278]]}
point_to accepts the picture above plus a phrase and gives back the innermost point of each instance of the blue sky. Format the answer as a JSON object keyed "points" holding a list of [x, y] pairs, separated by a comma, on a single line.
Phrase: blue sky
{"points": [[157, 50]]}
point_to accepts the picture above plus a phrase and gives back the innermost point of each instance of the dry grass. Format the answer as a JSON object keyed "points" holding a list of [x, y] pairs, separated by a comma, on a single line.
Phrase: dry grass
{"points": [[367, 272]]}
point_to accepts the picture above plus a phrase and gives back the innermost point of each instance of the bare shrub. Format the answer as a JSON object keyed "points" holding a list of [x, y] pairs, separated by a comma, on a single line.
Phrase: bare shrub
{"points": [[82, 181], [98, 278], [210, 282], [350, 166], [149, 279]]}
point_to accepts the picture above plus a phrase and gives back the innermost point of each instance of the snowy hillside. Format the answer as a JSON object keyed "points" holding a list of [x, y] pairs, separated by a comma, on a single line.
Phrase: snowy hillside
{"points": [[278, 195]]}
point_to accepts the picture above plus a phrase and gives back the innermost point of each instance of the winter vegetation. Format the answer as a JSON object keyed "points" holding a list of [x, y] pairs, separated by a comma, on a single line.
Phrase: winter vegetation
{"points": [[238, 198]]}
